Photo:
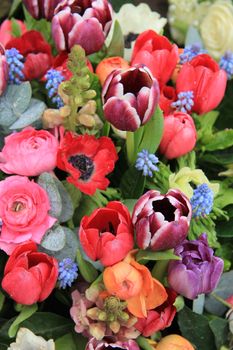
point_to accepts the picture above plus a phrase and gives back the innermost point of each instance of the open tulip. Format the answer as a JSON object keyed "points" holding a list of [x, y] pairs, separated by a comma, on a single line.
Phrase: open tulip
{"points": [[161, 221], [130, 98], [157, 53], [205, 79], [167, 96], [84, 23], [179, 135], [131, 281], [29, 276], [198, 271], [4, 70]]}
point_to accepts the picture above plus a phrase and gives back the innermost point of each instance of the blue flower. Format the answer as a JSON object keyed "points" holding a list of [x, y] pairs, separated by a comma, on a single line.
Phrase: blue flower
{"points": [[190, 52], [185, 101], [202, 200], [226, 63], [68, 272], [14, 60], [146, 162], [54, 79]]}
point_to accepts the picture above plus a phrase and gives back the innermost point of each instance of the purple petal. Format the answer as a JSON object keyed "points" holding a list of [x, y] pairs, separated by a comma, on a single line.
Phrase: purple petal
{"points": [[143, 234]]}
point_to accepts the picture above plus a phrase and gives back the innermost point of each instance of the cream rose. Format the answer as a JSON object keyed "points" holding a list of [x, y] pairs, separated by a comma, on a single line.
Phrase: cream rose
{"points": [[217, 28]]}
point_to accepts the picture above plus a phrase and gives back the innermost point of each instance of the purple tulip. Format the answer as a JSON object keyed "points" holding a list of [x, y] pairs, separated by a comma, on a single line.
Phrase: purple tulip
{"points": [[82, 22], [198, 271], [130, 97], [41, 8], [109, 343], [4, 71], [161, 221]]}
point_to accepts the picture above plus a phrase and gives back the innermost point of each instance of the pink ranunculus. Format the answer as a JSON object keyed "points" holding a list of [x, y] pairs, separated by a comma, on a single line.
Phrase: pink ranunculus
{"points": [[29, 152], [6, 30], [24, 210]]}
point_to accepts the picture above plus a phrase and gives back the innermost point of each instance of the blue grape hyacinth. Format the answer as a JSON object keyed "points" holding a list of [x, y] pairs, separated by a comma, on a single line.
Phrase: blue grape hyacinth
{"points": [[16, 65], [190, 52], [68, 272], [226, 63], [146, 162], [202, 200], [54, 79], [185, 101]]}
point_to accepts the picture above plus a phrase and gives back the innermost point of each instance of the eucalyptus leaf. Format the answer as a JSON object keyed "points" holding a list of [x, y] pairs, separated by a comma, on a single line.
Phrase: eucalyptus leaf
{"points": [[67, 205], [54, 239], [31, 115], [47, 182], [161, 255], [26, 312]]}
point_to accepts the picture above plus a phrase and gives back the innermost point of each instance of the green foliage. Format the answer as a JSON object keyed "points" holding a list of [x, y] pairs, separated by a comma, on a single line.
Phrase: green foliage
{"points": [[86, 269], [54, 239], [160, 181], [161, 255], [71, 341], [42, 26], [132, 183], [204, 224], [25, 312], [116, 46]]}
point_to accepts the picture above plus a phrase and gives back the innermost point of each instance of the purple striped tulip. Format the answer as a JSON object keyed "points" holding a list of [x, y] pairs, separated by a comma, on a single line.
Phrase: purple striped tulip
{"points": [[130, 97], [82, 22], [41, 8], [161, 221], [110, 343], [198, 271], [3, 73]]}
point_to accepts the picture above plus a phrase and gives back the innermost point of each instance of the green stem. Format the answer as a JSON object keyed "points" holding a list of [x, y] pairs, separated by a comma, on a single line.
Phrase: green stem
{"points": [[224, 302], [160, 269], [130, 147]]}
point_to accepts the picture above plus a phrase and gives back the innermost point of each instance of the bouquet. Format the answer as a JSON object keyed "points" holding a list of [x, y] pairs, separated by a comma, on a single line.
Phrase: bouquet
{"points": [[116, 176]]}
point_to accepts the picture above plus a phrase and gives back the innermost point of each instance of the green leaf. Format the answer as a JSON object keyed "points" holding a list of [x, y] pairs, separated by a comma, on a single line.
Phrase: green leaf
{"points": [[116, 46], [161, 255], [31, 115], [224, 228], [74, 192], [16, 30], [86, 269], [71, 341], [26, 312], [220, 329], [220, 140], [54, 239], [67, 205], [204, 224], [144, 343], [132, 183], [14, 7], [130, 203], [196, 329], [47, 182], [179, 303]]}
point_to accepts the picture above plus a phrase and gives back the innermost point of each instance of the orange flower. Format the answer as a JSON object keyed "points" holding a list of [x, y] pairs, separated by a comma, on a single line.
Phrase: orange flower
{"points": [[106, 66], [174, 342], [128, 280]]}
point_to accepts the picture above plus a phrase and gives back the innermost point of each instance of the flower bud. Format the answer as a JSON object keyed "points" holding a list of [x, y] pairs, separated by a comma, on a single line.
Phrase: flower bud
{"points": [[109, 64], [130, 98], [174, 342]]}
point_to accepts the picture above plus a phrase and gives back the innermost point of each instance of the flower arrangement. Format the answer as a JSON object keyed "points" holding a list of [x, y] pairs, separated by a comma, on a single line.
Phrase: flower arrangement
{"points": [[116, 188]]}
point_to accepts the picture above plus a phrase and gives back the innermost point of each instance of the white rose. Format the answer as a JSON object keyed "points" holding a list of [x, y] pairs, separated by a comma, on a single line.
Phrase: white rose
{"points": [[27, 340], [217, 28]]}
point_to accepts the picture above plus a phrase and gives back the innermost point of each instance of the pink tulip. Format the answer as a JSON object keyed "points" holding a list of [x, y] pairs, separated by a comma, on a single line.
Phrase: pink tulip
{"points": [[179, 135], [3, 73], [85, 23], [130, 97]]}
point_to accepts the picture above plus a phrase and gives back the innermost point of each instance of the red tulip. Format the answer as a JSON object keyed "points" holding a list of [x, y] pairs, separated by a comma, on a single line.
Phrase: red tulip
{"points": [[179, 135], [3, 73], [167, 96], [203, 76], [130, 97], [41, 8], [29, 276], [6, 30], [85, 23], [157, 53], [36, 51], [107, 234], [159, 318]]}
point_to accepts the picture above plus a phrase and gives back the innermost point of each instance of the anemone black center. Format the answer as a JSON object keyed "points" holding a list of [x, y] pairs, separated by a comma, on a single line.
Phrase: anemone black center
{"points": [[166, 208], [84, 164]]}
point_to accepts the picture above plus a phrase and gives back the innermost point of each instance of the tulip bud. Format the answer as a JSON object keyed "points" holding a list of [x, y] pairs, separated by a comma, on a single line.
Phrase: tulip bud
{"points": [[161, 221], [86, 25], [3, 73], [109, 64], [179, 135], [174, 342], [130, 98], [41, 8]]}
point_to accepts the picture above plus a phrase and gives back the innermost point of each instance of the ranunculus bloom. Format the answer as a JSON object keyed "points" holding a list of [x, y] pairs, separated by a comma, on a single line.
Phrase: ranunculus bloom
{"points": [[29, 276], [167, 96], [179, 135], [85, 23], [131, 281], [198, 271], [161, 221], [109, 64], [4, 70], [174, 342], [203, 76], [157, 53], [29, 152], [24, 210], [107, 234], [130, 98], [41, 8], [109, 343], [159, 318], [36, 52], [88, 160], [6, 30]]}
